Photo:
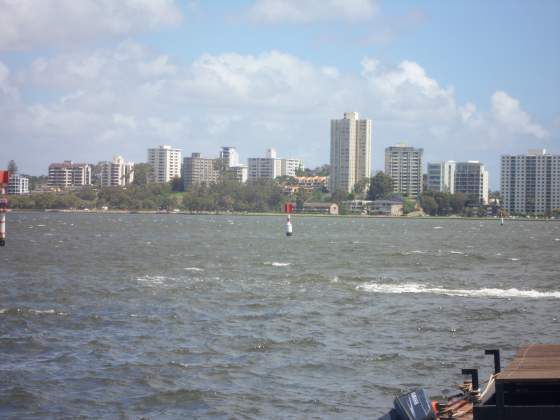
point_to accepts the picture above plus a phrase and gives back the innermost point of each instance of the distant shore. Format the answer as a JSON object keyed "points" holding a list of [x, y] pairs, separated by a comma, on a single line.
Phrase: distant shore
{"points": [[211, 213]]}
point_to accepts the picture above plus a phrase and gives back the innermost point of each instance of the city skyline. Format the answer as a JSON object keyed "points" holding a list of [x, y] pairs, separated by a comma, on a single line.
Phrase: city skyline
{"points": [[198, 76]]}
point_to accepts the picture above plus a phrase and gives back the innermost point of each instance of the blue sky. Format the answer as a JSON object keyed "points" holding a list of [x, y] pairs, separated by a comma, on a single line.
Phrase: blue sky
{"points": [[465, 80]]}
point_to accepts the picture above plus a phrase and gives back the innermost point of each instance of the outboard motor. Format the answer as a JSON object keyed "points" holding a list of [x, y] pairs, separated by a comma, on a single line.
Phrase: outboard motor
{"points": [[414, 405], [391, 415]]}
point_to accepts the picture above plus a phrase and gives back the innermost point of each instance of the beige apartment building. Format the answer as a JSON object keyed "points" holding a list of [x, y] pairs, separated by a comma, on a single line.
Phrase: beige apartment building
{"points": [[350, 158], [69, 174], [404, 165]]}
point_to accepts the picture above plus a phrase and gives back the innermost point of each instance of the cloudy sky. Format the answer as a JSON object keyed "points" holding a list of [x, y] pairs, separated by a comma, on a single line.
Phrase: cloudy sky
{"points": [[87, 79]]}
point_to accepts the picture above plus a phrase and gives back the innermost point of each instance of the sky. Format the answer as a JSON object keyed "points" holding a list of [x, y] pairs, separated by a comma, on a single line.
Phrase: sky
{"points": [[464, 79]]}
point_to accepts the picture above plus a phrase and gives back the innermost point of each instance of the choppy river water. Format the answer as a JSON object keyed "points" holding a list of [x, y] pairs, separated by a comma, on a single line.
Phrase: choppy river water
{"points": [[176, 316]]}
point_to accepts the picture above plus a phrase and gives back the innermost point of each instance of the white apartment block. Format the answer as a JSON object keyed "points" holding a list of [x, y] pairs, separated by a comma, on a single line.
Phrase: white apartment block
{"points": [[239, 173], [69, 174], [350, 159], [264, 168], [165, 162], [289, 167], [404, 165], [18, 185], [198, 170], [471, 178], [441, 176], [530, 183], [229, 156], [272, 167], [117, 173]]}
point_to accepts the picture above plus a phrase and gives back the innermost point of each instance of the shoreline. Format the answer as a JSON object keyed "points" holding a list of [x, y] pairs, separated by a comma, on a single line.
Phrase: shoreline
{"points": [[271, 214]]}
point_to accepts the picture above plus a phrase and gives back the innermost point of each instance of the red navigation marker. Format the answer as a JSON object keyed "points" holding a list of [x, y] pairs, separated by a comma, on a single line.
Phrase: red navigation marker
{"points": [[4, 178], [288, 207]]}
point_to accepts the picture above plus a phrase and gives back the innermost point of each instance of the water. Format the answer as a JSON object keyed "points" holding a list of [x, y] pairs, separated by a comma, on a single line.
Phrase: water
{"points": [[175, 316]]}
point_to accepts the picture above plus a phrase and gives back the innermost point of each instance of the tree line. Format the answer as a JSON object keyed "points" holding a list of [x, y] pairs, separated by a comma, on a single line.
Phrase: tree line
{"points": [[258, 196]]}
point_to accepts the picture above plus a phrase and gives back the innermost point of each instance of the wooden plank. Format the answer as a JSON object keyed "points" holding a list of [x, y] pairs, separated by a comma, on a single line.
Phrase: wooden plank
{"points": [[533, 363]]}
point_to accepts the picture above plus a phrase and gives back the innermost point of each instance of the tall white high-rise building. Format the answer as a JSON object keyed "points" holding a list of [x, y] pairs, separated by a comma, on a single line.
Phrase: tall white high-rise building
{"points": [[441, 176], [404, 165], [117, 172], [165, 162], [350, 152], [530, 183], [471, 178]]}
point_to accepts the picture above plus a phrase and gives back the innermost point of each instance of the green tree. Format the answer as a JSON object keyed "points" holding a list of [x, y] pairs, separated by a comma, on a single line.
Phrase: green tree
{"points": [[177, 184], [36, 181], [141, 173], [361, 186], [443, 202], [457, 202], [12, 167], [87, 193], [409, 205], [301, 197], [339, 195], [429, 204], [381, 185]]}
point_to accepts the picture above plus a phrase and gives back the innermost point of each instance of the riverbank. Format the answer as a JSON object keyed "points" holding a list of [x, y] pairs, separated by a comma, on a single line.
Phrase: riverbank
{"points": [[218, 213]]}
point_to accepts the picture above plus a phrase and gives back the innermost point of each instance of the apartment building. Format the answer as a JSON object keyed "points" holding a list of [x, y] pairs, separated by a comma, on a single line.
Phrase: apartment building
{"points": [[471, 178], [69, 174], [272, 167], [165, 162], [350, 154], [404, 165], [441, 176], [18, 185], [229, 156], [530, 184], [116, 173], [198, 170]]}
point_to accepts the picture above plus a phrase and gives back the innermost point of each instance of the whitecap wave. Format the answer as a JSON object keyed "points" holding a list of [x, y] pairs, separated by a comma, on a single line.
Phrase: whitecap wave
{"points": [[152, 280], [46, 312], [278, 264], [193, 269], [484, 292]]}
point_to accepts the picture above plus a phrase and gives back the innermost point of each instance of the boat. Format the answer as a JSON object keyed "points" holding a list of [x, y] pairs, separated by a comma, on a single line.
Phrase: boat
{"points": [[528, 388]]}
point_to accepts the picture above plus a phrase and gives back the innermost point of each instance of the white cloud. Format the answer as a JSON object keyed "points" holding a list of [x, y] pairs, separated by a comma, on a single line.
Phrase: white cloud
{"points": [[157, 67], [126, 121], [508, 113], [308, 11], [141, 98], [25, 24]]}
